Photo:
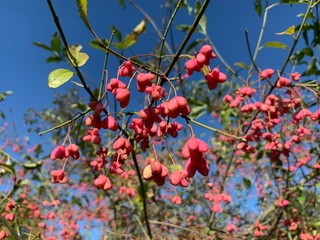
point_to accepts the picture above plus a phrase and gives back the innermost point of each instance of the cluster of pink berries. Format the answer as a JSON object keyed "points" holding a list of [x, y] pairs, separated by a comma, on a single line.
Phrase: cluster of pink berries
{"points": [[203, 59], [156, 171], [120, 91], [61, 152]]}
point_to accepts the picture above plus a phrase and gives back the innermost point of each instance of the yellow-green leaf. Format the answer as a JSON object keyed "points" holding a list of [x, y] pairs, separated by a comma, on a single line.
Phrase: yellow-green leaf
{"points": [[76, 57], [59, 76], [141, 27], [7, 168], [275, 45], [83, 11], [131, 38], [288, 31], [242, 65]]}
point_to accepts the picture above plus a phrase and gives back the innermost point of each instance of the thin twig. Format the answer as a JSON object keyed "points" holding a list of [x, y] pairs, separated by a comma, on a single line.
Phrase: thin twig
{"points": [[249, 50], [65, 123], [185, 40], [143, 194], [66, 45], [215, 130], [164, 37]]}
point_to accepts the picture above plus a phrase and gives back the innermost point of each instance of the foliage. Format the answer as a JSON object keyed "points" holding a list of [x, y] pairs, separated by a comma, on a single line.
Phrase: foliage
{"points": [[208, 151]]}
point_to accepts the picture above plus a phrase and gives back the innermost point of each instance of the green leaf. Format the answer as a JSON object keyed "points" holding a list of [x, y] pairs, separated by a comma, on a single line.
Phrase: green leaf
{"points": [[77, 58], [302, 199], [132, 37], [83, 11], [121, 2], [7, 168], [117, 33], [3, 95], [289, 31], [242, 65], [316, 224], [77, 201], [184, 3], [59, 76], [56, 43], [193, 45], [43, 46], [275, 45], [258, 7], [32, 165], [198, 111], [203, 24], [308, 51], [95, 44], [54, 58], [183, 27], [247, 183], [2, 115], [203, 20]]}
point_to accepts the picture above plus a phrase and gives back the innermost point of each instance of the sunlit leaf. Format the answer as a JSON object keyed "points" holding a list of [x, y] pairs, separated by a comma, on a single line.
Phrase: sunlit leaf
{"points": [[203, 20], [198, 111], [242, 65], [141, 27], [301, 199], [275, 45], [32, 165], [59, 76], [288, 31], [131, 38], [83, 11], [7, 168], [80, 57]]}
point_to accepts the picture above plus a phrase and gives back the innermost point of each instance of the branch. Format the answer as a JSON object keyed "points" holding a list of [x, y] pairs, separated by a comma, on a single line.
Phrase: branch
{"points": [[143, 194], [66, 45], [215, 130], [185, 40], [65, 123]]}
